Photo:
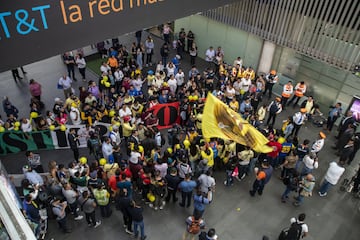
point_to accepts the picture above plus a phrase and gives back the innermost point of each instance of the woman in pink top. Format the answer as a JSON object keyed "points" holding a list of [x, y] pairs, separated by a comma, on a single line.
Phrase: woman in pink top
{"points": [[35, 89]]}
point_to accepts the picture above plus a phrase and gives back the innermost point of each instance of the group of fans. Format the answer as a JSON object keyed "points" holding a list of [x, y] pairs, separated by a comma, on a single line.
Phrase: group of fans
{"points": [[131, 161]]}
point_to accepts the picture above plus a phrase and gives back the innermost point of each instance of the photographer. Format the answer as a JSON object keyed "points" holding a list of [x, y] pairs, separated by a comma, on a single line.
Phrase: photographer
{"points": [[306, 187], [291, 182]]}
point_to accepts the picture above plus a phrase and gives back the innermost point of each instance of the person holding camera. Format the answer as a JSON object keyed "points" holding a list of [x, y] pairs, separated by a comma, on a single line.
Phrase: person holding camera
{"points": [[306, 186], [291, 181]]}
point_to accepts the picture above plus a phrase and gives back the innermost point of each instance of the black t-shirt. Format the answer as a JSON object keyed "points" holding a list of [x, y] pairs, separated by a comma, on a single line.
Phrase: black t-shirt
{"points": [[172, 181], [136, 213], [123, 204]]}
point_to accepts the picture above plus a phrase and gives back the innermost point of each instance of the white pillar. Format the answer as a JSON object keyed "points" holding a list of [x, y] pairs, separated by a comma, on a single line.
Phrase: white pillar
{"points": [[266, 58]]}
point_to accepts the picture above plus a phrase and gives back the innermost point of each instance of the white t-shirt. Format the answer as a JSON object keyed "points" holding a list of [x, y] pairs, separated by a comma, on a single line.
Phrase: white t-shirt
{"points": [[26, 127], [334, 173], [105, 68], [75, 116], [172, 85], [126, 112], [106, 150], [210, 54], [119, 75], [245, 84], [230, 93], [170, 70], [180, 78], [134, 157]]}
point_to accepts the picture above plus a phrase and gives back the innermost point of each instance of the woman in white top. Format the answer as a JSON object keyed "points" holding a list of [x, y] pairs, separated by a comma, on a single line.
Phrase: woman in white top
{"points": [[170, 68], [159, 67], [172, 84], [81, 64], [229, 92]]}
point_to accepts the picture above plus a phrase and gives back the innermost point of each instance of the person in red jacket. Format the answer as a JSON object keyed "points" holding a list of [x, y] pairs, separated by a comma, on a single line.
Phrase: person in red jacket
{"points": [[273, 156]]}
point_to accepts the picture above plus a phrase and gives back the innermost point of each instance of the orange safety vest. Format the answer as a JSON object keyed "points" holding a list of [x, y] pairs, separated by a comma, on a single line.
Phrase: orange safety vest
{"points": [[284, 93], [299, 90]]}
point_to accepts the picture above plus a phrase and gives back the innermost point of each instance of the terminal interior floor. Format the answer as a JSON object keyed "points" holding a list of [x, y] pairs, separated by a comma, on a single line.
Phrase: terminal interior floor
{"points": [[233, 213]]}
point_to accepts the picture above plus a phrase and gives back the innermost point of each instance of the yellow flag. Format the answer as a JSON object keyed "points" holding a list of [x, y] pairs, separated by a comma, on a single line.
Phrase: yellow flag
{"points": [[221, 121]]}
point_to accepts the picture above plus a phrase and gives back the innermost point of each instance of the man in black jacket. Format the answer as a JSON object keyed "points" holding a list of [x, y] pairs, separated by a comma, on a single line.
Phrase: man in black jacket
{"points": [[348, 119], [74, 142]]}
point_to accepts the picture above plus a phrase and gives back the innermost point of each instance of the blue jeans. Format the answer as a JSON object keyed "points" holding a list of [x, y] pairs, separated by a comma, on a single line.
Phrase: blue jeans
{"points": [[300, 199], [142, 229], [286, 192], [229, 178], [325, 187], [252, 164], [305, 170]]}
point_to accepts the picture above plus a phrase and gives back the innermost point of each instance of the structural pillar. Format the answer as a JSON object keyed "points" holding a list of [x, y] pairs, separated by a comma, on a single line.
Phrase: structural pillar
{"points": [[267, 55]]}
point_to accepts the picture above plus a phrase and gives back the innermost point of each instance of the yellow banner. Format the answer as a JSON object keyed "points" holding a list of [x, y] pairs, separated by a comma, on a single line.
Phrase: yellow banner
{"points": [[222, 122]]}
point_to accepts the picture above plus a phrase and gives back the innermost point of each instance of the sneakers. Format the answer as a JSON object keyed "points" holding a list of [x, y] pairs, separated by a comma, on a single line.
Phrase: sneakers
{"points": [[243, 176], [98, 223], [129, 232], [155, 208], [151, 205], [322, 194], [144, 237], [161, 207], [78, 218], [296, 204]]}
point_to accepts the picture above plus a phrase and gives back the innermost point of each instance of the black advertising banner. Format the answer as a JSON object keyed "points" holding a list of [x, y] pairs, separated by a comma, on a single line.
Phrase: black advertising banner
{"points": [[32, 30]]}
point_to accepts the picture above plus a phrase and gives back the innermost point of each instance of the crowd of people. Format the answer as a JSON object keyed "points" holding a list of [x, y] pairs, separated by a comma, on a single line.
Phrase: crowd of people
{"points": [[131, 163]]}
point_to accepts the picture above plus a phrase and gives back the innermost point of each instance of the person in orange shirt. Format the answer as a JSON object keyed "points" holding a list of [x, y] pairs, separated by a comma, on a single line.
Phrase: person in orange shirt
{"points": [[113, 63], [287, 91], [300, 90]]}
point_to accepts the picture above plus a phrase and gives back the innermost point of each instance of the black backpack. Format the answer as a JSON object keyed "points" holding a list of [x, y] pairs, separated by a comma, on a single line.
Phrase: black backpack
{"points": [[293, 233], [202, 236]]}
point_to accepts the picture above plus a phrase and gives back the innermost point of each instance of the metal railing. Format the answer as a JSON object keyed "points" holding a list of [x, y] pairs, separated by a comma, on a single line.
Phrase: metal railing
{"points": [[326, 30]]}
